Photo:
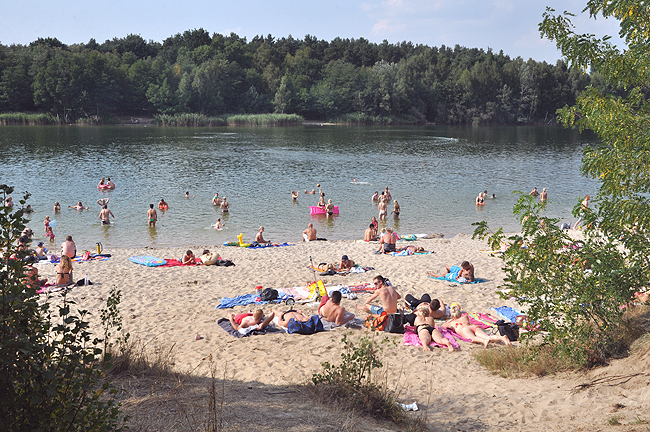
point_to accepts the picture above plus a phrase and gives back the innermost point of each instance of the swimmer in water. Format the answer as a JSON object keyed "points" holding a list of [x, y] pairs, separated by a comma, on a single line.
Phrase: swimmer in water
{"points": [[216, 200], [162, 205], [103, 201], [218, 225], [313, 191], [57, 207], [294, 195], [396, 209], [375, 197], [543, 196], [321, 202], [187, 194], [79, 206], [225, 206]]}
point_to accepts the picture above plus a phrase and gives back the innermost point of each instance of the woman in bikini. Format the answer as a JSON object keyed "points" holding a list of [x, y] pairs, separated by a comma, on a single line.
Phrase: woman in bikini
{"points": [[425, 327], [64, 271], [460, 324]]}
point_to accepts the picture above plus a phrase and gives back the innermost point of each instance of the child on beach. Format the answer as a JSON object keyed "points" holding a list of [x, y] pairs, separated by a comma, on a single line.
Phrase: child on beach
{"points": [[189, 258], [40, 250], [49, 233]]}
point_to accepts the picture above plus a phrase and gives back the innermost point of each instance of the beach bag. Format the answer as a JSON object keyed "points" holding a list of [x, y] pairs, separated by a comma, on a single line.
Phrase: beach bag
{"points": [[395, 323], [225, 263], [509, 329], [314, 325], [269, 294], [376, 322]]}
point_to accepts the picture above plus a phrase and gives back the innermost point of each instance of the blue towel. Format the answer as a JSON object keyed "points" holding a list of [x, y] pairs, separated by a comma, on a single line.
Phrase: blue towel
{"points": [[271, 245], [442, 278], [507, 312], [243, 300]]}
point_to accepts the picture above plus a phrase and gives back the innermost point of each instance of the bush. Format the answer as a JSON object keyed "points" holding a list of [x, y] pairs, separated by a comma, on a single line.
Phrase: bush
{"points": [[573, 289], [50, 366], [350, 384]]}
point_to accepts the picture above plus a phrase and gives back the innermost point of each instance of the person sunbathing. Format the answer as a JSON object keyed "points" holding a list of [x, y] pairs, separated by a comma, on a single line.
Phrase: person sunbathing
{"points": [[330, 309], [411, 249], [285, 317], [189, 258], [437, 308], [462, 274], [31, 278], [250, 319], [460, 324], [346, 264], [64, 271], [425, 327]]}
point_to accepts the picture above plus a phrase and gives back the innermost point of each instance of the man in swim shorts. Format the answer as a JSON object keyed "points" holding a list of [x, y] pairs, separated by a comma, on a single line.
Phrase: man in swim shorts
{"points": [[245, 320], [386, 293], [216, 200], [534, 192], [330, 309], [225, 206], [310, 233], [105, 215], [369, 235], [152, 215], [462, 274], [387, 241]]}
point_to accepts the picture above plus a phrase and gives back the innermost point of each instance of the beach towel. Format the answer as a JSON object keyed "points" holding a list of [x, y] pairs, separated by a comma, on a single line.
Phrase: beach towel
{"points": [[510, 314], [243, 300], [173, 262], [259, 246], [225, 324], [482, 320], [147, 260], [411, 338], [442, 278]]}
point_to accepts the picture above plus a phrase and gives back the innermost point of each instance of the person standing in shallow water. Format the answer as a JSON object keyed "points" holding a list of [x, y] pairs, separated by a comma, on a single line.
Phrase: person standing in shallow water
{"points": [[152, 215]]}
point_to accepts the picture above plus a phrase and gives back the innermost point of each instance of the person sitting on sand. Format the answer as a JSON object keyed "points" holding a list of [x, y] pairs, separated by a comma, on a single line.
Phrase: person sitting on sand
{"points": [[462, 274], [79, 206], [386, 293], [387, 241], [64, 271], [310, 234], [330, 309], [370, 234], [460, 324], [294, 195], [250, 319], [285, 317], [425, 327], [209, 258], [188, 258], [40, 250], [346, 264], [31, 279], [68, 247], [259, 238]]}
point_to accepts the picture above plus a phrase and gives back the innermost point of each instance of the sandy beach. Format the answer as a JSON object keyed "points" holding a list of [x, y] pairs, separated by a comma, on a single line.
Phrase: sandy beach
{"points": [[167, 307]]}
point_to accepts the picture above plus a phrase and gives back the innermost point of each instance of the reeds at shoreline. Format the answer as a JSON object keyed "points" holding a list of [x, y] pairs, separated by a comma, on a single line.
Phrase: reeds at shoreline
{"points": [[31, 119], [265, 120]]}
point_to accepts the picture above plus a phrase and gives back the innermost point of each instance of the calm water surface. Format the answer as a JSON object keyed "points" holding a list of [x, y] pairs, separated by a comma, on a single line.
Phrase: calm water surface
{"points": [[435, 173]]}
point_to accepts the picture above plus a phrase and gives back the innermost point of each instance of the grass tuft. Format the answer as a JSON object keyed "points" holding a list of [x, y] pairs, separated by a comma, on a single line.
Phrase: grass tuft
{"points": [[136, 358], [264, 120]]}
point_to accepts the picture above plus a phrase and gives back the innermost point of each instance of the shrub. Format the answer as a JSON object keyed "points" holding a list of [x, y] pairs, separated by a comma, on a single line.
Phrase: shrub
{"points": [[350, 384], [50, 374], [573, 289]]}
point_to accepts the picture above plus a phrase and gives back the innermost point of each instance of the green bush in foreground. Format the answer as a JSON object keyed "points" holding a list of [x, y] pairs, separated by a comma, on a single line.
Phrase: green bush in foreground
{"points": [[351, 385], [50, 374]]}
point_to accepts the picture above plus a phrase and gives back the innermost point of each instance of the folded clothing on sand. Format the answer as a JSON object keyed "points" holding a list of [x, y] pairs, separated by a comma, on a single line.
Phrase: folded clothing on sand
{"points": [[507, 312]]}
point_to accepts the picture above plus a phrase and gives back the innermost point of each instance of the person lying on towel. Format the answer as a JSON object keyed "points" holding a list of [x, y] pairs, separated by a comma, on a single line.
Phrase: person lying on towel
{"points": [[330, 309], [462, 274], [285, 317], [250, 319]]}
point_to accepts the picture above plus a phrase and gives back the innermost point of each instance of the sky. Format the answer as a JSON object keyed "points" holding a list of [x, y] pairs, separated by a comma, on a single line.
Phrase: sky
{"points": [[508, 25]]}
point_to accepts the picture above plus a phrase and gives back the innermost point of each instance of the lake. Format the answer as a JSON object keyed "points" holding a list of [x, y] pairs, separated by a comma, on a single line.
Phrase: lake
{"points": [[434, 172]]}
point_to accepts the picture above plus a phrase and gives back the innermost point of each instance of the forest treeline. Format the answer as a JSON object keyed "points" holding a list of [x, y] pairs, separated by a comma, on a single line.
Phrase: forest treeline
{"points": [[344, 79]]}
